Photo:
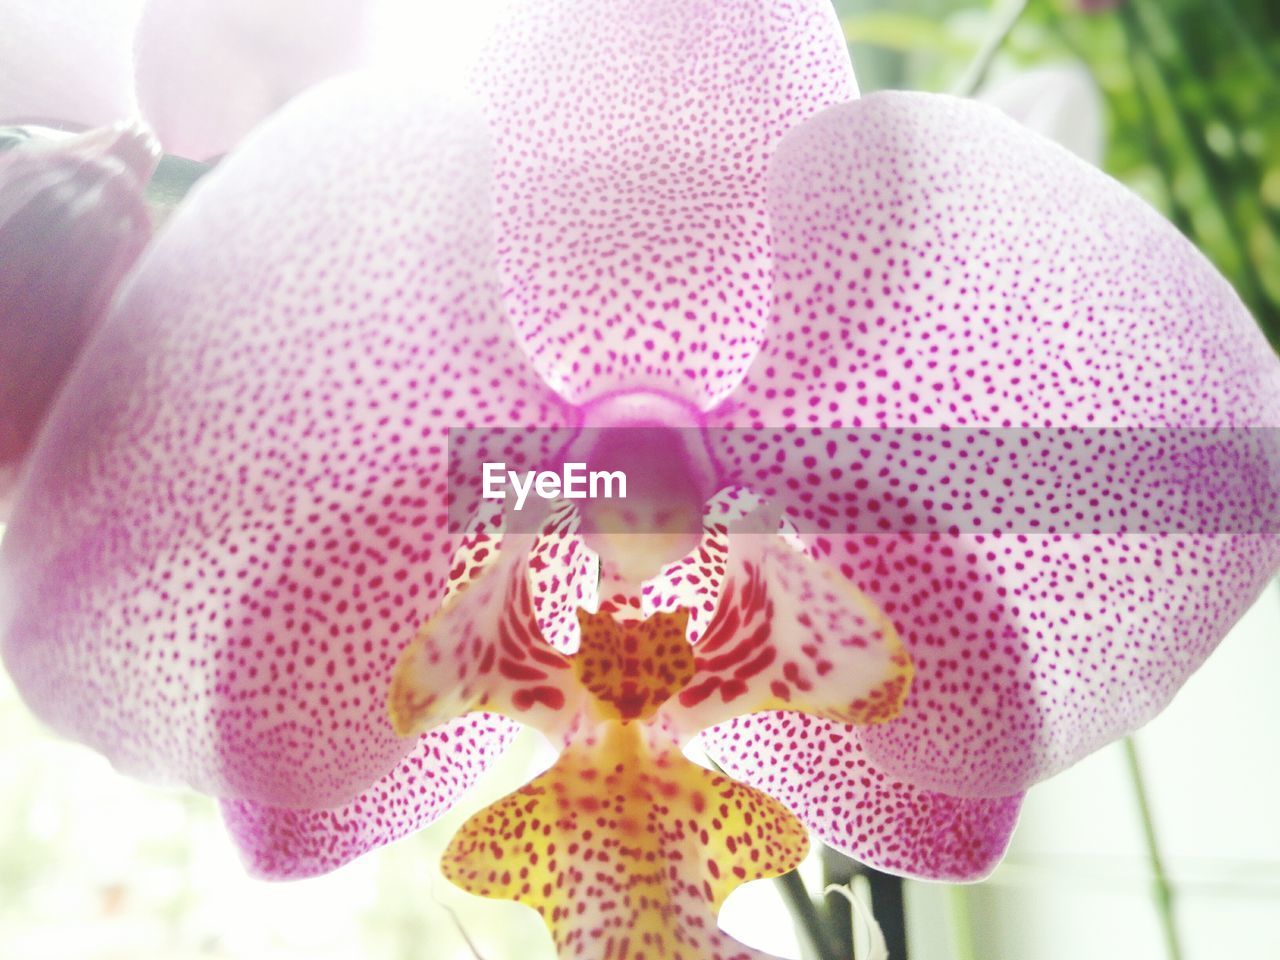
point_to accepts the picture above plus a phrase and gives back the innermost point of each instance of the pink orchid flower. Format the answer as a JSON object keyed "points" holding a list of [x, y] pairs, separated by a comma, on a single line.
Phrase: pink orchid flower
{"points": [[671, 232]]}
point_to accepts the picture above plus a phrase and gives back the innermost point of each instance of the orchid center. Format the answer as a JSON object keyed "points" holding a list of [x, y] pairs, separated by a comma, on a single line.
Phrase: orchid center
{"points": [[632, 667], [657, 443]]}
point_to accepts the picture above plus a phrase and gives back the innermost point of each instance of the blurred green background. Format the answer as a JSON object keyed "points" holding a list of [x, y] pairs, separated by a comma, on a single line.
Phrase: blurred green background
{"points": [[1191, 91]]}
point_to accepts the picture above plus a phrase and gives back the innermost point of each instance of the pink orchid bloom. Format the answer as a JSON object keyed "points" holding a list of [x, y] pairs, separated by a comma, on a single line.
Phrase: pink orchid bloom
{"points": [[201, 73], [672, 232]]}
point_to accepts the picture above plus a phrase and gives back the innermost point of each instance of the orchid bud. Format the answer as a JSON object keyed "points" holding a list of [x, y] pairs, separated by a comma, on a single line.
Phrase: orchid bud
{"points": [[72, 223], [1061, 101]]}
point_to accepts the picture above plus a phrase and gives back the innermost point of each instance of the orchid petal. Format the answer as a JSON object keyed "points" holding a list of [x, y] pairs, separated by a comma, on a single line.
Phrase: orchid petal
{"points": [[695, 581], [67, 62], [285, 844], [563, 578], [943, 265], [627, 849], [820, 771], [209, 70], [483, 651], [235, 520], [939, 265], [72, 223], [632, 143], [791, 634]]}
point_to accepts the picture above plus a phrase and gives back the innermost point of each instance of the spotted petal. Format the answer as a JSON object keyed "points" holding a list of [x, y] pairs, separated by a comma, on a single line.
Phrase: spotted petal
{"points": [[235, 520], [284, 844], [483, 650], [790, 633], [938, 265], [633, 138], [820, 771]]}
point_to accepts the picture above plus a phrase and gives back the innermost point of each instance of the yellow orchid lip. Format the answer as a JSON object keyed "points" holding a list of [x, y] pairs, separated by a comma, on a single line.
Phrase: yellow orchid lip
{"points": [[627, 846]]}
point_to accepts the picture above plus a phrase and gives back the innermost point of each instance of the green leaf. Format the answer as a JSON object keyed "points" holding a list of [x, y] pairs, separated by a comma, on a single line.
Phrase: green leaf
{"points": [[905, 32]]}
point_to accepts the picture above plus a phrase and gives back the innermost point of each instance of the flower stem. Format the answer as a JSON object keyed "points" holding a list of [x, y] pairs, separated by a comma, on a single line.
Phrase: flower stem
{"points": [[1162, 888], [889, 907], [172, 181], [808, 921], [838, 871], [961, 922], [978, 68]]}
